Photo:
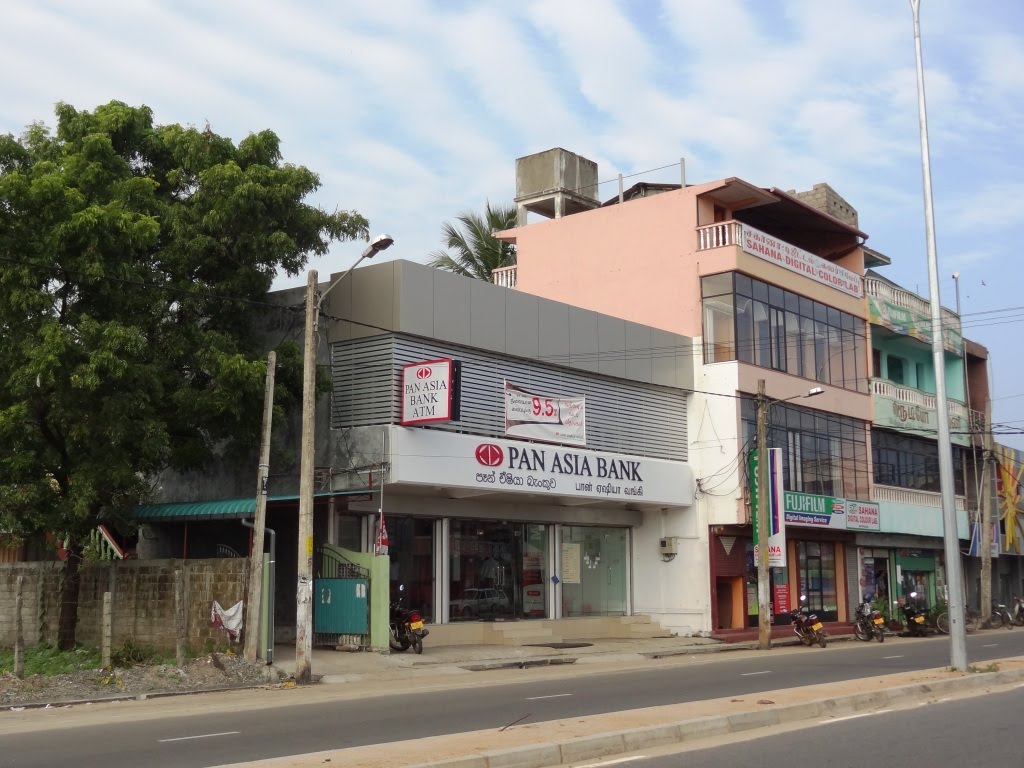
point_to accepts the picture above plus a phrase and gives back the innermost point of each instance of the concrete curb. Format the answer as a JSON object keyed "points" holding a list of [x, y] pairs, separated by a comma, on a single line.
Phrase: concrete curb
{"points": [[633, 739]]}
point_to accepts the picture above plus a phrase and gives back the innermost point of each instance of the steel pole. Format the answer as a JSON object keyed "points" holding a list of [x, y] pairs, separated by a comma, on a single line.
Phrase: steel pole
{"points": [[957, 628]]}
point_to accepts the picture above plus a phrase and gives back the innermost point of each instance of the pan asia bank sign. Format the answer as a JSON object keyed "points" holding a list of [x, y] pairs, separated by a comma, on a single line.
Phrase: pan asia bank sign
{"points": [[812, 511], [442, 459], [757, 243]]}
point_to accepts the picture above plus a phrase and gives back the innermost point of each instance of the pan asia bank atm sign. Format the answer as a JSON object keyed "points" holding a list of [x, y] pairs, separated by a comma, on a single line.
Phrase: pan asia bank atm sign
{"points": [[435, 458]]}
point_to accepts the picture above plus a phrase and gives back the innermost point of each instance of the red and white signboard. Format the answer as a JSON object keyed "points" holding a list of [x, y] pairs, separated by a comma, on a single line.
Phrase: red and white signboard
{"points": [[757, 243], [545, 418], [427, 391], [437, 458]]}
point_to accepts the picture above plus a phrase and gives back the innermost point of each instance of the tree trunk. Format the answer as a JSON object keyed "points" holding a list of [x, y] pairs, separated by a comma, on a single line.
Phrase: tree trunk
{"points": [[68, 622]]}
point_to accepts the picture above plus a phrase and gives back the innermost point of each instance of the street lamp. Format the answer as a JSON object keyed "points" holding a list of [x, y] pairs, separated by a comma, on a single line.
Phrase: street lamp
{"points": [[764, 612], [951, 542], [304, 591]]}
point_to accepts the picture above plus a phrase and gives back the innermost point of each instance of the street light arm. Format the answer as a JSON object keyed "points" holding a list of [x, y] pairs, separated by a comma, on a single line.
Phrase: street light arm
{"points": [[378, 244]]}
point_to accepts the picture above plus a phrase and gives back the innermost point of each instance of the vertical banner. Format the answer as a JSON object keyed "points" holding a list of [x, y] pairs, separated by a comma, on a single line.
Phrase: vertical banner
{"points": [[776, 513], [776, 516]]}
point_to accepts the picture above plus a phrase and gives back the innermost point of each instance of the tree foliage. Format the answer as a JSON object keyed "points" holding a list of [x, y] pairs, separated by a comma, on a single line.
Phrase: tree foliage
{"points": [[473, 250], [134, 259]]}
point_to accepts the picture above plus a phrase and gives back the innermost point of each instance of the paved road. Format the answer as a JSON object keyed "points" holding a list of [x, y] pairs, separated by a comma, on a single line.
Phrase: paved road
{"points": [[978, 731], [212, 736]]}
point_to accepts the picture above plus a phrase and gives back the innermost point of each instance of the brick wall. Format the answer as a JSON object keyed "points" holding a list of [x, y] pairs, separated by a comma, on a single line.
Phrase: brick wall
{"points": [[143, 600]]}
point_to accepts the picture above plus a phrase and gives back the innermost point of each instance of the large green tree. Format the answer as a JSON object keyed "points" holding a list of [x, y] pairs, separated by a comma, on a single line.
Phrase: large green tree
{"points": [[473, 251], [134, 261]]}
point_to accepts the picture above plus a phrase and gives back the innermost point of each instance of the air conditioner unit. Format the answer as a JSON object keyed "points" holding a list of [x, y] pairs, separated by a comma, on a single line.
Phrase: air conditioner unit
{"points": [[667, 545]]}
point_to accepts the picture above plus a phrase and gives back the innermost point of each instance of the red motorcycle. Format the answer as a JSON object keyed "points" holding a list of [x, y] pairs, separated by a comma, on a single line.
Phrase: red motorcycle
{"points": [[807, 626], [406, 626]]}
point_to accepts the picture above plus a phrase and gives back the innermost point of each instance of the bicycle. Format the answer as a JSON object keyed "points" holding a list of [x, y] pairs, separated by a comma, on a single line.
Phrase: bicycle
{"points": [[972, 621]]}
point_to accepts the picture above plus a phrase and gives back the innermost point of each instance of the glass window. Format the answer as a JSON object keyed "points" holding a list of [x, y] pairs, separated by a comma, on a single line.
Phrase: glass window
{"points": [[716, 285], [817, 578], [905, 461], [744, 329], [762, 336], [497, 570], [743, 285], [411, 554], [719, 329], [593, 572]]}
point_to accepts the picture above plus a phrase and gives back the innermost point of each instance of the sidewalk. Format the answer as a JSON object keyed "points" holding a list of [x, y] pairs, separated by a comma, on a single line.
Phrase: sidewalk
{"points": [[330, 666]]}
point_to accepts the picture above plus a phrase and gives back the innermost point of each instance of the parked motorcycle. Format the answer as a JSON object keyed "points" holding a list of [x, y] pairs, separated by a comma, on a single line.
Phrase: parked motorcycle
{"points": [[914, 616], [868, 623], [1018, 611], [806, 625], [406, 626]]}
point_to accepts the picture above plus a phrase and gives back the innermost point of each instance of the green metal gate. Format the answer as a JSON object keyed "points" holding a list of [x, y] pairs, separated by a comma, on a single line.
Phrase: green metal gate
{"points": [[341, 601]]}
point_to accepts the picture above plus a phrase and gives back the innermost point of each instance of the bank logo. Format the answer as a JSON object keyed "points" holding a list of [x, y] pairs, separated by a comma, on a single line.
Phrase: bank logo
{"points": [[489, 454], [423, 373]]}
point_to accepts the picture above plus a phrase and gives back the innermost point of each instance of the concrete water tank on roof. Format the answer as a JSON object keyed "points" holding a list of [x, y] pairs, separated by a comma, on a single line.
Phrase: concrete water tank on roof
{"points": [[555, 183]]}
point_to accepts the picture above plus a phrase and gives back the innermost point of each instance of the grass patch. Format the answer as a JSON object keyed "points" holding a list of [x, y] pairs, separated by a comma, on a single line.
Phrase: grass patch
{"points": [[47, 660], [987, 668]]}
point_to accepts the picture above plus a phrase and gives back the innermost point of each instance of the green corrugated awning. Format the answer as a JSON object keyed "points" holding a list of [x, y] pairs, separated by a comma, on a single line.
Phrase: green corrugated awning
{"points": [[219, 509]]}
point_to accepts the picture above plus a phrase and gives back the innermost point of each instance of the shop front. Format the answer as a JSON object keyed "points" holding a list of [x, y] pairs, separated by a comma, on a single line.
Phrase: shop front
{"points": [[498, 530]]}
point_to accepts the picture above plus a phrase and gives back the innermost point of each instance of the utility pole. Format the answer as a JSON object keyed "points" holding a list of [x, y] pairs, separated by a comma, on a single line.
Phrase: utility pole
{"points": [[764, 606], [252, 611], [951, 541], [985, 539], [304, 589]]}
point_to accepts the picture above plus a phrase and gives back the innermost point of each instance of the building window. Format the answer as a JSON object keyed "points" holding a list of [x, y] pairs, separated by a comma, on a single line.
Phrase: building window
{"points": [[497, 570], [817, 576], [909, 462], [763, 324], [896, 369], [822, 453]]}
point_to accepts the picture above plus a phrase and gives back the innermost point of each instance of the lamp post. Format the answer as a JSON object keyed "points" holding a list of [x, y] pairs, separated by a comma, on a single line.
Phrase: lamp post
{"points": [[304, 591], [764, 604], [951, 542]]}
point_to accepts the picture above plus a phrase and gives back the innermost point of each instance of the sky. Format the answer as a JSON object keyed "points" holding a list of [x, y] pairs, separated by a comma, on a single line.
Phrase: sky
{"points": [[414, 111]]}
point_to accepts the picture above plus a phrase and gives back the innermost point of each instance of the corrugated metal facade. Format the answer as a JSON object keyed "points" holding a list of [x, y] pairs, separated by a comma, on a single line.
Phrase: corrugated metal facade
{"points": [[622, 416]]}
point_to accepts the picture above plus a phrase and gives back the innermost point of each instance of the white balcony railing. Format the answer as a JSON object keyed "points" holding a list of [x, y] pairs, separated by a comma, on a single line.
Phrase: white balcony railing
{"points": [[504, 276], [885, 293], [912, 498], [718, 235], [957, 411]]}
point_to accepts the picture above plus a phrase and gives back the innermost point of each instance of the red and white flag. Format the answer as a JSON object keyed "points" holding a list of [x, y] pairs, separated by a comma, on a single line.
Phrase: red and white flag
{"points": [[382, 545]]}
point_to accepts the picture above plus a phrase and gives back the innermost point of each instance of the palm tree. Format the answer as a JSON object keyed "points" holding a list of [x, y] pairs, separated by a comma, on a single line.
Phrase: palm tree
{"points": [[474, 250]]}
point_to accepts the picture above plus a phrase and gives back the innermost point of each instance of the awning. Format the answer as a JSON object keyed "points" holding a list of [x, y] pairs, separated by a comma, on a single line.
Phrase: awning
{"points": [[221, 509]]}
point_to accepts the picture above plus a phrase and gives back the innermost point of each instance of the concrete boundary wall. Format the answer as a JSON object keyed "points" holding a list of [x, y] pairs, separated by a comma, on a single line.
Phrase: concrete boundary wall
{"points": [[143, 600]]}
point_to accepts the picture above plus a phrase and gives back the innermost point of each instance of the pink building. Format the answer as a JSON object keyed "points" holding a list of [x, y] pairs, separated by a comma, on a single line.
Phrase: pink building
{"points": [[772, 285]]}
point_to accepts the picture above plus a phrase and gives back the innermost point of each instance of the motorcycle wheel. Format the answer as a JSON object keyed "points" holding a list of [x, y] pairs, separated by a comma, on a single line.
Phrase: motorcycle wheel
{"points": [[417, 644], [861, 632], [396, 644], [1007, 621], [1019, 619], [879, 634], [807, 639], [821, 639]]}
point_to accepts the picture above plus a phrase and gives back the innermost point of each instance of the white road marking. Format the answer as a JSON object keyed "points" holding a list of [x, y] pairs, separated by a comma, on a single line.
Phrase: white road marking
{"points": [[201, 736], [892, 657], [854, 717], [552, 696], [618, 761], [748, 674], [990, 645]]}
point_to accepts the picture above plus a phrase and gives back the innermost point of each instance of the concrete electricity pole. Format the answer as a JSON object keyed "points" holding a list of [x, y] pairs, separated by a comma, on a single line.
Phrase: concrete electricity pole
{"points": [[304, 590], [252, 612], [764, 606]]}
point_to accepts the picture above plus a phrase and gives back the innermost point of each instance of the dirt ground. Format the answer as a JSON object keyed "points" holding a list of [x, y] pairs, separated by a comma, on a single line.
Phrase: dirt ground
{"points": [[215, 671]]}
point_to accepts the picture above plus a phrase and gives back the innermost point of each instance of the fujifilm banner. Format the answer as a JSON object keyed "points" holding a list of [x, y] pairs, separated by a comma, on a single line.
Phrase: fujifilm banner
{"points": [[441, 459]]}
